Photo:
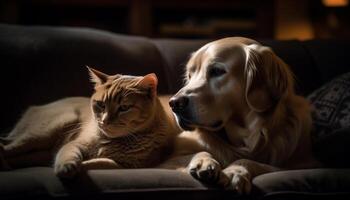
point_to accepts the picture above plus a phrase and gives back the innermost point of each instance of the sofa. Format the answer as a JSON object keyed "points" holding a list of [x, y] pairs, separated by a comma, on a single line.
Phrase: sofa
{"points": [[41, 64]]}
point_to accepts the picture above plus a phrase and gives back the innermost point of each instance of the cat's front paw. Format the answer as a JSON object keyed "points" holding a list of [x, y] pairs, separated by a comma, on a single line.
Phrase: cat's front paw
{"points": [[204, 168], [237, 178], [67, 169]]}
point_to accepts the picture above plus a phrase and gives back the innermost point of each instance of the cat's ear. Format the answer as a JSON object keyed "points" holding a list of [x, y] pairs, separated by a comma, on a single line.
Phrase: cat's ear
{"points": [[150, 81], [96, 76]]}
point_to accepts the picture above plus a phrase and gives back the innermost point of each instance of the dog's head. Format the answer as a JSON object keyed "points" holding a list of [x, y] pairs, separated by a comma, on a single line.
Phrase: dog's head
{"points": [[228, 78]]}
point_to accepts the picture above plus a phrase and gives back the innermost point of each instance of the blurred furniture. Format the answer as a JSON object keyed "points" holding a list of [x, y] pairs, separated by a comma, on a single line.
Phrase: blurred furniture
{"points": [[155, 18], [42, 64], [330, 18]]}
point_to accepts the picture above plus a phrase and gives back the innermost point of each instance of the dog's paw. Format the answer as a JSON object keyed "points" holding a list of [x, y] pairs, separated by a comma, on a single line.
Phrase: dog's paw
{"points": [[204, 168], [67, 169], [237, 178]]}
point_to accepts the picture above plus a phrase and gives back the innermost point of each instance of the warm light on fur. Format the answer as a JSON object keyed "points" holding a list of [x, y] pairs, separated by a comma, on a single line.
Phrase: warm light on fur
{"points": [[266, 124], [123, 125]]}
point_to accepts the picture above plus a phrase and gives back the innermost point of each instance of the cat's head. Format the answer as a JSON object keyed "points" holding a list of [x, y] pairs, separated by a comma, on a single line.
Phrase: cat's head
{"points": [[122, 104]]}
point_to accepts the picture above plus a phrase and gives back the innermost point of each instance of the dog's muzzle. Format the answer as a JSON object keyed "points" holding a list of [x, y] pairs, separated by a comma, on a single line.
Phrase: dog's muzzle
{"points": [[180, 105], [184, 117]]}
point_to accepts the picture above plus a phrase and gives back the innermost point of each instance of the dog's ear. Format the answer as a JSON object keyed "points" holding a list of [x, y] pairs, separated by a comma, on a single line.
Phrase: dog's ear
{"points": [[267, 78]]}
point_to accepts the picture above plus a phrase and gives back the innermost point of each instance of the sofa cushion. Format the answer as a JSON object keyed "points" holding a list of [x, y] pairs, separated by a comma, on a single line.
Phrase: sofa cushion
{"points": [[41, 181], [44, 64], [331, 121], [332, 149], [303, 183], [331, 105], [329, 56]]}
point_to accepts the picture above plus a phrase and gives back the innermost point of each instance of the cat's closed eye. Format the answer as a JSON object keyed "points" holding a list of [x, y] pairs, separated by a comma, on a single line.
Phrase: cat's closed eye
{"points": [[98, 106]]}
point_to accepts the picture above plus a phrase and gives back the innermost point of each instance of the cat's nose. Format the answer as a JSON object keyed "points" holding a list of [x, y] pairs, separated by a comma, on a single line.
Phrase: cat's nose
{"points": [[178, 104]]}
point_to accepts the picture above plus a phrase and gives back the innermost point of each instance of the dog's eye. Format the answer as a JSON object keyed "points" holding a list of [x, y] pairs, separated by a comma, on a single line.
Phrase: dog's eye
{"points": [[216, 71]]}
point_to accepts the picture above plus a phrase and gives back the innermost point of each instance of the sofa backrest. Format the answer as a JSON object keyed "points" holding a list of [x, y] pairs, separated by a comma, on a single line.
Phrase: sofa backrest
{"points": [[42, 64]]}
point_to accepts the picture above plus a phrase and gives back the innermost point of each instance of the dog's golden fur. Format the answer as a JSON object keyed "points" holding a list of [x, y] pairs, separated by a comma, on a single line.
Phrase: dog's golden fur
{"points": [[265, 124]]}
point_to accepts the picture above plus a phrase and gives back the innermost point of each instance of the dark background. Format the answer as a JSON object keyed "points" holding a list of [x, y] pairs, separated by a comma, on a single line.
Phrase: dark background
{"points": [[273, 19], [57, 57]]}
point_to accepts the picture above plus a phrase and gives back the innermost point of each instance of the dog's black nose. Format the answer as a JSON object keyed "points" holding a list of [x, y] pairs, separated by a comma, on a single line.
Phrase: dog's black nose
{"points": [[178, 104]]}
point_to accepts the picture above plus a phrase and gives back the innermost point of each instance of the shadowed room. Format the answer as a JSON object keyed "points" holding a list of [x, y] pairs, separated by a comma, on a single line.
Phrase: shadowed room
{"points": [[165, 99]]}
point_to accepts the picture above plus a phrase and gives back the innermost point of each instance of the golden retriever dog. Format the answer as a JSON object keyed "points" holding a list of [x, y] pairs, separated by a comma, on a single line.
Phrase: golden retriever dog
{"points": [[241, 115]]}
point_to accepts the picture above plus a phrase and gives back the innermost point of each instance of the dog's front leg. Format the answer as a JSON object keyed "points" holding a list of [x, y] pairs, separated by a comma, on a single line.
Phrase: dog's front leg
{"points": [[238, 175], [205, 168]]}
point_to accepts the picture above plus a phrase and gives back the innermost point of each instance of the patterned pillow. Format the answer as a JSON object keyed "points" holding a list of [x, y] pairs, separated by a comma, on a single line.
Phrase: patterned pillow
{"points": [[331, 119], [331, 106]]}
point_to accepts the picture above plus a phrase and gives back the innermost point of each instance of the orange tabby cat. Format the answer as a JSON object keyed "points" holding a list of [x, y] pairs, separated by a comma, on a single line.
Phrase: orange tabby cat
{"points": [[123, 125]]}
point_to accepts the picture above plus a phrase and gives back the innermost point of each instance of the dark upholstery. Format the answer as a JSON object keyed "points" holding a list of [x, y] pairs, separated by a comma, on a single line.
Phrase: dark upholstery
{"points": [[42, 64], [41, 181], [304, 183], [331, 121]]}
